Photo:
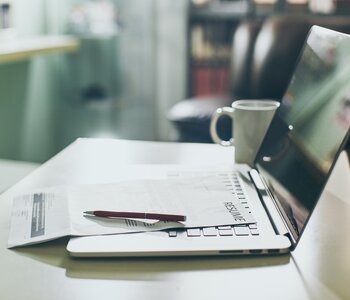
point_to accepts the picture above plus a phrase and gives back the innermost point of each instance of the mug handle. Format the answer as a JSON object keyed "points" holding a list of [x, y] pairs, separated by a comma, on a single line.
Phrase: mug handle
{"points": [[227, 111]]}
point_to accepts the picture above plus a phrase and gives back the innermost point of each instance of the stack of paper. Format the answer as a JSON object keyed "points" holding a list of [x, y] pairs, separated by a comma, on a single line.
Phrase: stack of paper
{"points": [[55, 212]]}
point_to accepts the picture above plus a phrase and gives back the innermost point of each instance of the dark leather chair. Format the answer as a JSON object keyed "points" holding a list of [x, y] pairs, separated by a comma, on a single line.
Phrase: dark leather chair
{"points": [[191, 117], [264, 55]]}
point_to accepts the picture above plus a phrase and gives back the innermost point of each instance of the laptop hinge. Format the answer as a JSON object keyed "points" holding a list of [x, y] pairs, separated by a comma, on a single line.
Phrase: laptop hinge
{"points": [[271, 208]]}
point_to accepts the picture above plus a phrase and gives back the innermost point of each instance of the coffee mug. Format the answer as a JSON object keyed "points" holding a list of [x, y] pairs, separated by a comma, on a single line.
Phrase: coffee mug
{"points": [[250, 120]]}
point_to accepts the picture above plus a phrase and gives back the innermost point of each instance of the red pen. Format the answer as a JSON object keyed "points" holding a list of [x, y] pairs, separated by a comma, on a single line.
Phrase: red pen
{"points": [[136, 215]]}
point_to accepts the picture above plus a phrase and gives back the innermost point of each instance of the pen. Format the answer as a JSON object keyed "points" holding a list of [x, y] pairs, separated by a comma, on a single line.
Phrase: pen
{"points": [[135, 215]]}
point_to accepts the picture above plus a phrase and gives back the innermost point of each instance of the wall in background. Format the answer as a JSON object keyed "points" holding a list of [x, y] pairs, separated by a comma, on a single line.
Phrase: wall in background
{"points": [[122, 68], [171, 40], [40, 108], [27, 94], [148, 55]]}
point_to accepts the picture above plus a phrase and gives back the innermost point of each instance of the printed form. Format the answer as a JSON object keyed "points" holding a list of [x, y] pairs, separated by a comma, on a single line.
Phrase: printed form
{"points": [[55, 212]]}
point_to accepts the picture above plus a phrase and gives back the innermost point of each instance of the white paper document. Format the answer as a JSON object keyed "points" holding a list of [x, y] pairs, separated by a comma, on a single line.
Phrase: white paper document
{"points": [[58, 211]]}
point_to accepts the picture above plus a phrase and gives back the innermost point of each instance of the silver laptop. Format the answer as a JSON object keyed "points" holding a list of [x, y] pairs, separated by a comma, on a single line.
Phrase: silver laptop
{"points": [[289, 174]]}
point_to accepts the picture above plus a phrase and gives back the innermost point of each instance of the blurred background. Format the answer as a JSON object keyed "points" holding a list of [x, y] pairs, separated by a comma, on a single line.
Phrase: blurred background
{"points": [[113, 68]]}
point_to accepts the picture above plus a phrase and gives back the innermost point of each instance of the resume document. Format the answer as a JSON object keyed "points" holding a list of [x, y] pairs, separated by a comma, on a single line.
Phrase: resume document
{"points": [[49, 213]]}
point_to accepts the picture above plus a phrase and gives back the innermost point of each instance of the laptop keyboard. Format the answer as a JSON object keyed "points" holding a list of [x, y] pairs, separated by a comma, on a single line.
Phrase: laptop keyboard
{"points": [[233, 184], [237, 230]]}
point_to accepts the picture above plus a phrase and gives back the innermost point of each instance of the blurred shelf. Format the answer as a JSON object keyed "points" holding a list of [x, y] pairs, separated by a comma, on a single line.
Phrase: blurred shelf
{"points": [[24, 48]]}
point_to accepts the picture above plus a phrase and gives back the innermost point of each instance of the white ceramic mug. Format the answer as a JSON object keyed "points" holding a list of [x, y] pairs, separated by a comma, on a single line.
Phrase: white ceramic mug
{"points": [[250, 120]]}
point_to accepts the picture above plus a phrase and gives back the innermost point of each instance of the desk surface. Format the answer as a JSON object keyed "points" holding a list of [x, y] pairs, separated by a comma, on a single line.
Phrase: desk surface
{"points": [[318, 269], [12, 171]]}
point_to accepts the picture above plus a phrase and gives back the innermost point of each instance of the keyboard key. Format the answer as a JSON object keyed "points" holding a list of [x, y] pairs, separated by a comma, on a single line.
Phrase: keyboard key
{"points": [[253, 226], [241, 230], [193, 232], [227, 227], [172, 233], [209, 231], [226, 232], [254, 231]]}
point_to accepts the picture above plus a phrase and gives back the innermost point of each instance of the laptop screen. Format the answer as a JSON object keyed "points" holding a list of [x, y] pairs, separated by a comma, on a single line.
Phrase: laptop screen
{"points": [[307, 132]]}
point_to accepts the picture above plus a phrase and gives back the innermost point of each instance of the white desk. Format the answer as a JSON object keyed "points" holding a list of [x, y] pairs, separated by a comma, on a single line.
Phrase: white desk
{"points": [[318, 269], [12, 171], [25, 48]]}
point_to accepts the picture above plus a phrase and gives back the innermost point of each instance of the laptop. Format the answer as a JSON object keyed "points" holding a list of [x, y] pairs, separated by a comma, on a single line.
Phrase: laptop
{"points": [[290, 171]]}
